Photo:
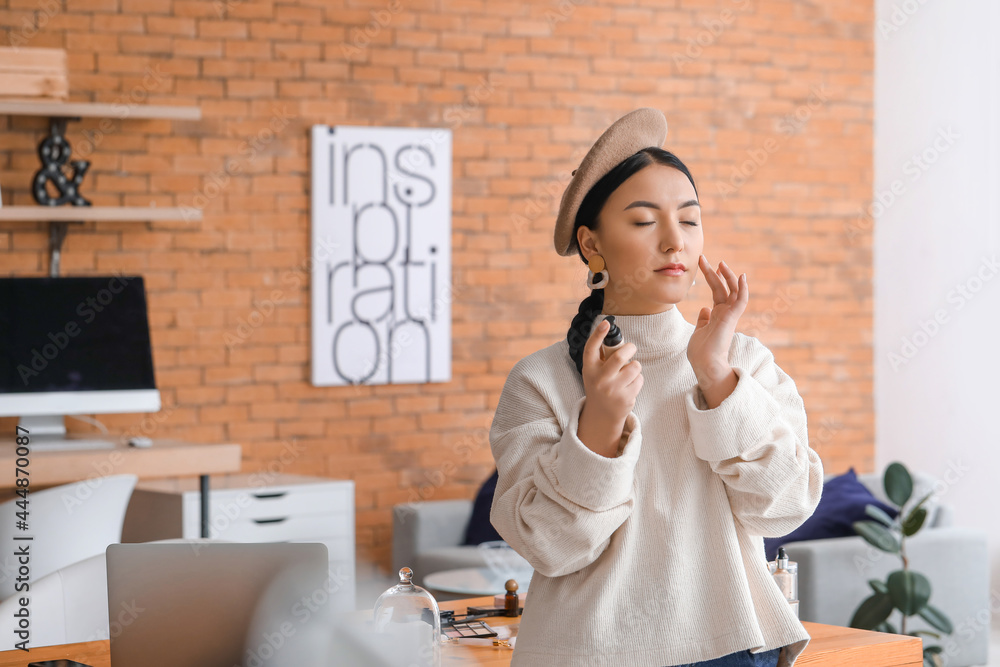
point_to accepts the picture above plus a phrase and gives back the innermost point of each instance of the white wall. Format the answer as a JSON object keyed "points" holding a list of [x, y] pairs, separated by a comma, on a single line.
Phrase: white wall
{"points": [[937, 66]]}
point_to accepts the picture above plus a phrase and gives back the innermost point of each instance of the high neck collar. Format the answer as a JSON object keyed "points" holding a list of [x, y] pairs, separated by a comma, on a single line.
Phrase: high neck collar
{"points": [[664, 332]]}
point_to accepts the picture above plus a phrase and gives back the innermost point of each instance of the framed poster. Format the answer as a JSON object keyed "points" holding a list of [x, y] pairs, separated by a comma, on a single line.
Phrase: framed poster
{"points": [[381, 255]]}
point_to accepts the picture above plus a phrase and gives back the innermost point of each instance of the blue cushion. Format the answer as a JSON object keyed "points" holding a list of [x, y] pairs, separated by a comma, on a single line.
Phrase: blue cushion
{"points": [[843, 502], [480, 529]]}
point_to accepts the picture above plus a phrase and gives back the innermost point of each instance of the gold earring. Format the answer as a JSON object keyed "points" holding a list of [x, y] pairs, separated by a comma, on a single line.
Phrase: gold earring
{"points": [[597, 273]]}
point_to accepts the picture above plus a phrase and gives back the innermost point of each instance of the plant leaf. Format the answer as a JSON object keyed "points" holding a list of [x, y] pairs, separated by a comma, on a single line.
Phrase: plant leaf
{"points": [[873, 611], [898, 483], [936, 617], [924, 499], [933, 649], [909, 591], [876, 512], [877, 535], [917, 633], [914, 520], [878, 586]]}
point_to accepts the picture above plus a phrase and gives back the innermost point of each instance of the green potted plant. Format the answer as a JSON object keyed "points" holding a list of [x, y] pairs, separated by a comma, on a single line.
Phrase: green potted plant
{"points": [[903, 590]]}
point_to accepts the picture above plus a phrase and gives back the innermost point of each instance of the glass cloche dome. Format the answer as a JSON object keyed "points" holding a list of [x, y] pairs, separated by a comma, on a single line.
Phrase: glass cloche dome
{"points": [[410, 615]]}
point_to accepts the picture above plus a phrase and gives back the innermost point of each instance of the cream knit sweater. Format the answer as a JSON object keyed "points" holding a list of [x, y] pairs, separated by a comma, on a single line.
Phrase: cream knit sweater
{"points": [[655, 557]]}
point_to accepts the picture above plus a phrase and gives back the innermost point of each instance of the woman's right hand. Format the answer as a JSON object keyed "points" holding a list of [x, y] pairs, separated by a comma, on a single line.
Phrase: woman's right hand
{"points": [[611, 387]]}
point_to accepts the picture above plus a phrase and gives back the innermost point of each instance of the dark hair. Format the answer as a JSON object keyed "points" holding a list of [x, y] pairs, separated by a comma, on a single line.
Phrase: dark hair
{"points": [[586, 216]]}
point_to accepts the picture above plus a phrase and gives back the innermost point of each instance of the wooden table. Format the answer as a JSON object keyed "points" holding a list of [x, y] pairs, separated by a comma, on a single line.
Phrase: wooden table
{"points": [[166, 458], [831, 646]]}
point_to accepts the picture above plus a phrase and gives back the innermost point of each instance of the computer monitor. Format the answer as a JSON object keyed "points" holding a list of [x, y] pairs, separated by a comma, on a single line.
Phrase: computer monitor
{"points": [[72, 346]]}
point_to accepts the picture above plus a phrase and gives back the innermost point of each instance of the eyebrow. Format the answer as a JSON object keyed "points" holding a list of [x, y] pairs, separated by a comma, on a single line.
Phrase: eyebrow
{"points": [[649, 204]]}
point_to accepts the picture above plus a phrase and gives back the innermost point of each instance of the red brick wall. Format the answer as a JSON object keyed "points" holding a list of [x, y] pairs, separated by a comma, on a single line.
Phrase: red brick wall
{"points": [[769, 103]]}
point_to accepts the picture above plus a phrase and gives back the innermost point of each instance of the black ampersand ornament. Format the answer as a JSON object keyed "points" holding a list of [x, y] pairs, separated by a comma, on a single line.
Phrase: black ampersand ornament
{"points": [[54, 152]]}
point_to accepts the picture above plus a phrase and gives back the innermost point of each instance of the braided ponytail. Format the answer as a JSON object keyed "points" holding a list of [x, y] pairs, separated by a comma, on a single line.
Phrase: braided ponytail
{"points": [[579, 330]]}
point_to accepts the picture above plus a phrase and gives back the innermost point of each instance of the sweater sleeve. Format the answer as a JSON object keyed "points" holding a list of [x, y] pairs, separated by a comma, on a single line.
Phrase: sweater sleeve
{"points": [[756, 440], [557, 503]]}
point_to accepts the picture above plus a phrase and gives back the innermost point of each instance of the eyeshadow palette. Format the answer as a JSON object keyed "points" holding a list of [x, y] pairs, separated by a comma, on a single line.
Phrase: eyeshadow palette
{"points": [[469, 629]]}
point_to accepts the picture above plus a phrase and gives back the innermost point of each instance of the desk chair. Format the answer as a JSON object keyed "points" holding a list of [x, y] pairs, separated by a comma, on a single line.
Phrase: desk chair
{"points": [[69, 523], [67, 606]]}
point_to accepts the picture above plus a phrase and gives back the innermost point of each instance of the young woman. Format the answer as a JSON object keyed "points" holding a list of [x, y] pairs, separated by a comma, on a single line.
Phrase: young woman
{"points": [[640, 486]]}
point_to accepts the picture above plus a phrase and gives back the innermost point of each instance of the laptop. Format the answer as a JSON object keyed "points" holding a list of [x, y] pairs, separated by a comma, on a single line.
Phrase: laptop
{"points": [[191, 604]]}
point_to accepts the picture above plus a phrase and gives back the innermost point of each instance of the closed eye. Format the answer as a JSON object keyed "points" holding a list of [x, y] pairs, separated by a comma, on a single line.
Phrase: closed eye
{"points": [[683, 222]]}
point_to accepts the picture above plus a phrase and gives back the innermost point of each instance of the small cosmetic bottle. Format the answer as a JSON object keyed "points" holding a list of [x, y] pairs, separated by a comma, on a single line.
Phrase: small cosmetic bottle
{"points": [[511, 603], [786, 575], [612, 340]]}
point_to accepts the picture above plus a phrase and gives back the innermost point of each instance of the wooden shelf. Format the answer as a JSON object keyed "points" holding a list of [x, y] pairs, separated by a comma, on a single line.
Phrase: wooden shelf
{"points": [[100, 213], [52, 109], [59, 217]]}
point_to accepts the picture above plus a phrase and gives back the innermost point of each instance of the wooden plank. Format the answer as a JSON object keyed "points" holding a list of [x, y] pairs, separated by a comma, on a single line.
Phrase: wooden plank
{"points": [[166, 458], [17, 59], [834, 646], [95, 654], [97, 110], [34, 73], [99, 213], [236, 481], [34, 84]]}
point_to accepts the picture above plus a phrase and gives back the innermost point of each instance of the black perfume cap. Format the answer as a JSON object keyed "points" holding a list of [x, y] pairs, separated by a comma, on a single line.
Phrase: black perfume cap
{"points": [[614, 335]]}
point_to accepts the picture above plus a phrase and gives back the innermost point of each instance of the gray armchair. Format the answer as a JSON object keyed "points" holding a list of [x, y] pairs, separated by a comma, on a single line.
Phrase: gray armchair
{"points": [[427, 537], [834, 574]]}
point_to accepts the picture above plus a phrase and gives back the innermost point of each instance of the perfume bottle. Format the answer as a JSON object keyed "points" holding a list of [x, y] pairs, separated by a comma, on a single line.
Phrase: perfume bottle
{"points": [[786, 575], [612, 340]]}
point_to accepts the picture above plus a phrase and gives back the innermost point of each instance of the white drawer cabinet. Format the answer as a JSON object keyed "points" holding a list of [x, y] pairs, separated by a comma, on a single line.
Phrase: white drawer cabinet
{"points": [[255, 507]]}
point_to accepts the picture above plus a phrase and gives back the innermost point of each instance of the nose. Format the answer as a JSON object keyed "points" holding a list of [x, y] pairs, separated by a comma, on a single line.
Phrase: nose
{"points": [[672, 240]]}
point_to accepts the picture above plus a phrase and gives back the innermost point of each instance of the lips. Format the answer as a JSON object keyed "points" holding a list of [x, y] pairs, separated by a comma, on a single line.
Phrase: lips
{"points": [[672, 267]]}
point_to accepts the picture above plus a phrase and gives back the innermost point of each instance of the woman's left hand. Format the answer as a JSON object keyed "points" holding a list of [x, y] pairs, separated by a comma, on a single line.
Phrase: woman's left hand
{"points": [[708, 349]]}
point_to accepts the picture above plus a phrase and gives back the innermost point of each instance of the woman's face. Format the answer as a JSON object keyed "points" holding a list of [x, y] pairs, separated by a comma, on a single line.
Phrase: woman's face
{"points": [[651, 220]]}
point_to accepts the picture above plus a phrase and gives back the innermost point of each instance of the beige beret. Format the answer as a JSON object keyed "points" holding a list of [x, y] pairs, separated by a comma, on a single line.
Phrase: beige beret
{"points": [[627, 136]]}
